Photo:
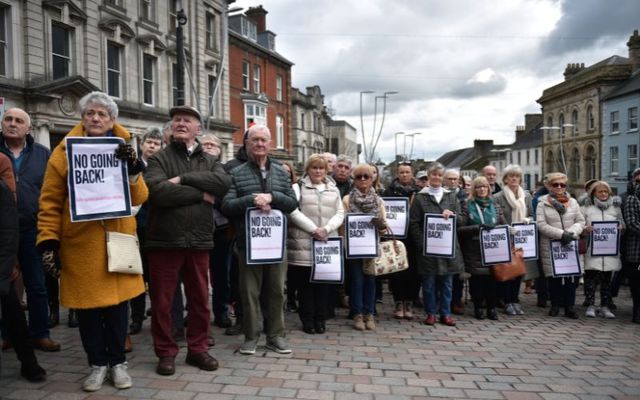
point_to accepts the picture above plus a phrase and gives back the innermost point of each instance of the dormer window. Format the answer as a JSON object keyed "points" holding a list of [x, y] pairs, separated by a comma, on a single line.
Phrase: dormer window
{"points": [[249, 29]]}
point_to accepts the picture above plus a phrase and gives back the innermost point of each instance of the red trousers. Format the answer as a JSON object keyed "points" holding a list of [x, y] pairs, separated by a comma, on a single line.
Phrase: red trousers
{"points": [[165, 267]]}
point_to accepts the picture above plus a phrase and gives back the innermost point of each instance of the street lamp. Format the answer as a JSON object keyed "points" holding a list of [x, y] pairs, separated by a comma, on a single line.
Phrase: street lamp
{"points": [[395, 156], [364, 140], [384, 111], [557, 128], [182, 20], [412, 139]]}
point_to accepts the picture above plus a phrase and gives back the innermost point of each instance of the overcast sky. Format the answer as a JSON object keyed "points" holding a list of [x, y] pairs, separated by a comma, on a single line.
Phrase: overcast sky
{"points": [[464, 69]]}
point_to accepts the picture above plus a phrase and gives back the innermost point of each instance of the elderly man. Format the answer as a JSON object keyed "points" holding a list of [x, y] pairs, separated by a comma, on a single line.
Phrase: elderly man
{"points": [[342, 174], [29, 164], [263, 183], [183, 184], [490, 173], [331, 161]]}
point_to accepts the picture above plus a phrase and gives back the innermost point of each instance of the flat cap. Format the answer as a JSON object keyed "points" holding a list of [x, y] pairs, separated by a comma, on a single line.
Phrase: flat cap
{"points": [[422, 174], [186, 110]]}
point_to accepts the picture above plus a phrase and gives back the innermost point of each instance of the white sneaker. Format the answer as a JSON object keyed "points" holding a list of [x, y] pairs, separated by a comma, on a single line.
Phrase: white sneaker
{"points": [[591, 312], [120, 377], [518, 308], [95, 379], [606, 313]]}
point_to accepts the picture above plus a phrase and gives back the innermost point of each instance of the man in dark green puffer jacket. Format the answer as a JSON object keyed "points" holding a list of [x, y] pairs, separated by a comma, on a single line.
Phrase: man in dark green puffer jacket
{"points": [[263, 183]]}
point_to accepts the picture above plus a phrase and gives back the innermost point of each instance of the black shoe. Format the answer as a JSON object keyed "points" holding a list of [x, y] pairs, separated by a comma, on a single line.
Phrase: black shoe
{"points": [[320, 327], [542, 303], [569, 312], [612, 306], [32, 372], [222, 321], [72, 322], [492, 314], [135, 328], [554, 311], [308, 328], [291, 307], [148, 312], [234, 330], [478, 313], [54, 320]]}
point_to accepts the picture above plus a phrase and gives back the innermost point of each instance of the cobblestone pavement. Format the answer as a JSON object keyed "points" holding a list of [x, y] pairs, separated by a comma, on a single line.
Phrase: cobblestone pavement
{"points": [[526, 357]]}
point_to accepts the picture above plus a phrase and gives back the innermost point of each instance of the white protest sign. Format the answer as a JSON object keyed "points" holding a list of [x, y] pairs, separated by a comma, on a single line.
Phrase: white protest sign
{"points": [[362, 236], [327, 264], [565, 260], [266, 233], [97, 179], [397, 214], [439, 236], [526, 238], [495, 245], [605, 238]]}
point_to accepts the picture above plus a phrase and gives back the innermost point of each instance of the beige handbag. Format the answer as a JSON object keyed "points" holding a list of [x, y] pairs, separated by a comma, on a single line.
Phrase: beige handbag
{"points": [[123, 253], [392, 258]]}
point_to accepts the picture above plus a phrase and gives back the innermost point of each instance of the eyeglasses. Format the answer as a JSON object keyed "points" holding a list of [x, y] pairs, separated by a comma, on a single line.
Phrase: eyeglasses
{"points": [[363, 177], [559, 185]]}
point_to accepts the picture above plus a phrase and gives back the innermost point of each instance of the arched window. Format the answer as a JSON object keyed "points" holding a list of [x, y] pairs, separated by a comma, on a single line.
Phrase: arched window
{"points": [[549, 164], [574, 166], [549, 125], [561, 123], [590, 162], [591, 123], [574, 122]]}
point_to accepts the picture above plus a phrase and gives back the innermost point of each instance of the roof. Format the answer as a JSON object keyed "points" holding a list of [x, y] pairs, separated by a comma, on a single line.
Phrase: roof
{"points": [[632, 85], [258, 46], [456, 158], [532, 138]]}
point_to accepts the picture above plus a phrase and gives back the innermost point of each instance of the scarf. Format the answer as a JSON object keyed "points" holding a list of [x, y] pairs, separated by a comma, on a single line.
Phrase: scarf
{"points": [[559, 202], [603, 205], [516, 201], [437, 193], [364, 202], [482, 211]]}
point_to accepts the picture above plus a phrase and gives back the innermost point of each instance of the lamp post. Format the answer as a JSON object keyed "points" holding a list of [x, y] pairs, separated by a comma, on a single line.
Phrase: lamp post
{"points": [[412, 139], [557, 128], [395, 156], [181, 18], [364, 140], [384, 111]]}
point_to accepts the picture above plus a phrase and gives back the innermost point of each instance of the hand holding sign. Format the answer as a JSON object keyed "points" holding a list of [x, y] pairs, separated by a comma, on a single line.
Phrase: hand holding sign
{"points": [[127, 154]]}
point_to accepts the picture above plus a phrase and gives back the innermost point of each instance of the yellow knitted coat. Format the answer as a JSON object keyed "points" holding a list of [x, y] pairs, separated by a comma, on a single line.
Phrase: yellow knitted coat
{"points": [[84, 280]]}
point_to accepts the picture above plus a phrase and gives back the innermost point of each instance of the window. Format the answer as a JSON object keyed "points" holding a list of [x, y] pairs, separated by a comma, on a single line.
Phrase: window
{"points": [[561, 123], [613, 157], [148, 66], [174, 83], [245, 75], [549, 125], [279, 132], [279, 87], [633, 118], [632, 155], [615, 121], [211, 85], [210, 32], [113, 69], [255, 112], [4, 50], [590, 119], [256, 78], [528, 157], [117, 3], [60, 51], [519, 158], [511, 158], [302, 121], [535, 156], [574, 122], [248, 29], [146, 11], [173, 16]]}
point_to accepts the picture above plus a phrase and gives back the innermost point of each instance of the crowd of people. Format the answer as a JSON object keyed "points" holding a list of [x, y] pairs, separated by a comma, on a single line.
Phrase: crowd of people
{"points": [[189, 216]]}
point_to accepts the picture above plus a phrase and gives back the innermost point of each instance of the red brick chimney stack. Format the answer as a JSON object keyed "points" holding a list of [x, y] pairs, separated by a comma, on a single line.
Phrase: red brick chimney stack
{"points": [[259, 16]]}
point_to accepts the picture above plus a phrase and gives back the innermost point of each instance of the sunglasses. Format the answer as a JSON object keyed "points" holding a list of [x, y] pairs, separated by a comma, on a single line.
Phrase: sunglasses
{"points": [[559, 185], [363, 177]]}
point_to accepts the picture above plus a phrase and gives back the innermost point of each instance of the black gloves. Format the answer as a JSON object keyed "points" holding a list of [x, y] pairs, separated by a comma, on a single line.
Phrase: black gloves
{"points": [[50, 259], [378, 223], [486, 227], [567, 237], [127, 154]]}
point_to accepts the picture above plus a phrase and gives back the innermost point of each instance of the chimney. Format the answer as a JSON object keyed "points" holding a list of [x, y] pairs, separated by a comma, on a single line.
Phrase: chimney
{"points": [[634, 51], [531, 121], [482, 148], [519, 131], [259, 16], [572, 69]]}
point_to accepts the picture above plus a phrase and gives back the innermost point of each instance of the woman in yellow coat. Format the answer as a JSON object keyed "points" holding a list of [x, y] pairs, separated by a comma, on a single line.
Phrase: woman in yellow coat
{"points": [[85, 284]]}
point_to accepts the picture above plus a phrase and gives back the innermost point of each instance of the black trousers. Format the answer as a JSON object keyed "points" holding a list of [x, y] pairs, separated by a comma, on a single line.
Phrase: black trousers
{"points": [[512, 290], [103, 332], [562, 291], [591, 280], [53, 293], [138, 304], [483, 291], [313, 298], [405, 285], [457, 289], [14, 323]]}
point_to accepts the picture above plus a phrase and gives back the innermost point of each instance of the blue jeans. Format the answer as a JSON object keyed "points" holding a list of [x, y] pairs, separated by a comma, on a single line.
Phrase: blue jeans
{"points": [[433, 285], [34, 283], [363, 289]]}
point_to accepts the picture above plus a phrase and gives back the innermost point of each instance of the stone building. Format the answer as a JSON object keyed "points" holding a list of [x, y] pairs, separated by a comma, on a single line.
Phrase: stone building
{"points": [[526, 151], [308, 126], [52, 52], [341, 138]]}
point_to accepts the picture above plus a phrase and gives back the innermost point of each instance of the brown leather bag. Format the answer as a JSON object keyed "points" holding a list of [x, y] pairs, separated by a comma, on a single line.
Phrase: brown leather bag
{"points": [[507, 271]]}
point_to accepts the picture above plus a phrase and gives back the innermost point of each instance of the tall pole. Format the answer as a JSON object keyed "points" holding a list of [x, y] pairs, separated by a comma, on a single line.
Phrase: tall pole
{"points": [[412, 139], [384, 111], [373, 132], [364, 140], [181, 20], [395, 156]]}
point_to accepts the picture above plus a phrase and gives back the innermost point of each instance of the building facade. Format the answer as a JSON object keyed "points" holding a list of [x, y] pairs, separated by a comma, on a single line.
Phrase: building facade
{"points": [[341, 138], [53, 52], [526, 150], [308, 125]]}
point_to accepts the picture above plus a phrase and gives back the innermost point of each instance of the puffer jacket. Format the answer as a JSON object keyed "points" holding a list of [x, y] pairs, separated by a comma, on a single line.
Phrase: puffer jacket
{"points": [[424, 203], [594, 214], [551, 226], [247, 180], [9, 237], [178, 216], [316, 209]]}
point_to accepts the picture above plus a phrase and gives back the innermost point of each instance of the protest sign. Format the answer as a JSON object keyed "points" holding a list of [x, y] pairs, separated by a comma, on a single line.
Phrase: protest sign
{"points": [[526, 238], [362, 236], [495, 245], [97, 180], [397, 214], [327, 264], [605, 238], [565, 260], [439, 236], [266, 233]]}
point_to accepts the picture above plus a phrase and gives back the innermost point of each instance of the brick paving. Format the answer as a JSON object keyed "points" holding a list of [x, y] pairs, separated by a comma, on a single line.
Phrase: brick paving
{"points": [[530, 357]]}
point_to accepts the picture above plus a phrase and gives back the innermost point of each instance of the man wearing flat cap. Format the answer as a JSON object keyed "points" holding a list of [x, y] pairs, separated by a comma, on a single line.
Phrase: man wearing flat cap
{"points": [[183, 183]]}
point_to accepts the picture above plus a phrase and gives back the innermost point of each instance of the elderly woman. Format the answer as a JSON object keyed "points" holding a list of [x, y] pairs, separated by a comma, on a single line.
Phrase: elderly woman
{"points": [[436, 272], [600, 206], [559, 218], [481, 211], [631, 244], [363, 199], [516, 204], [319, 215], [99, 296]]}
